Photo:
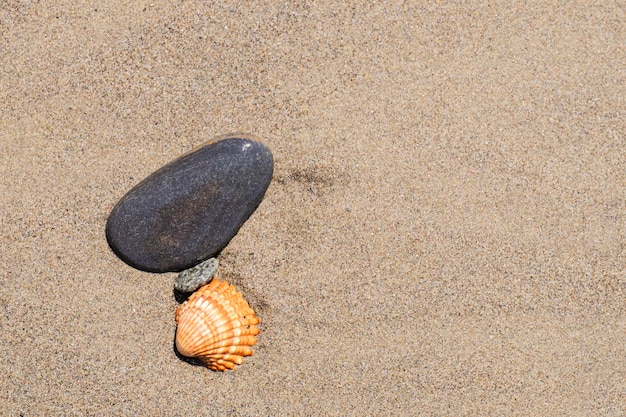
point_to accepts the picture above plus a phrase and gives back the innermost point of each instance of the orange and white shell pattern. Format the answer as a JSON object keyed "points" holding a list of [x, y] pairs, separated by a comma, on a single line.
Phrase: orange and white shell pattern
{"points": [[217, 326]]}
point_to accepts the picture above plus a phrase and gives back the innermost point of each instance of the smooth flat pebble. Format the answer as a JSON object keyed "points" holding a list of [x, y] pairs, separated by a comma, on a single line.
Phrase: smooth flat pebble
{"points": [[190, 209]]}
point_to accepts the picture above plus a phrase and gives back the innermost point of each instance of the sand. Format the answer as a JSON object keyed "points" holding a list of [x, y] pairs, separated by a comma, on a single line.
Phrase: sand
{"points": [[445, 232]]}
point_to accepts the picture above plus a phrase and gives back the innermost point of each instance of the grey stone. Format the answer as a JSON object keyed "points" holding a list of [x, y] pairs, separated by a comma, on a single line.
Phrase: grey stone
{"points": [[193, 278], [188, 211]]}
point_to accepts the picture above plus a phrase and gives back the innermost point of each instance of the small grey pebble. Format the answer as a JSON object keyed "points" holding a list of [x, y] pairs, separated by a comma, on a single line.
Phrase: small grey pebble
{"points": [[193, 278]]}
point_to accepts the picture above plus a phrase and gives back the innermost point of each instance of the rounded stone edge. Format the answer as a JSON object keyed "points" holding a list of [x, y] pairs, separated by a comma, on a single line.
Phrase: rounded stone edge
{"points": [[219, 138]]}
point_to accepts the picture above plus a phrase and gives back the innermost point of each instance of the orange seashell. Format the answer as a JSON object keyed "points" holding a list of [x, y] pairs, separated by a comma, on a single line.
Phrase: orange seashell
{"points": [[217, 326]]}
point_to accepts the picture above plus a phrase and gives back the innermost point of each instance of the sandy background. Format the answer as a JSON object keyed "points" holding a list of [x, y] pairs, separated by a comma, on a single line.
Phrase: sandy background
{"points": [[444, 233]]}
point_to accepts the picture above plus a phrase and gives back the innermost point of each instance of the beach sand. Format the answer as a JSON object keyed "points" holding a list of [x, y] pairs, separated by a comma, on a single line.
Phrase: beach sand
{"points": [[444, 233]]}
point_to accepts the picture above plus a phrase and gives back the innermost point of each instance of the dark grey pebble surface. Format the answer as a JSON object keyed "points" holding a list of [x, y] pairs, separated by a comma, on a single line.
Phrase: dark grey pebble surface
{"points": [[190, 209]]}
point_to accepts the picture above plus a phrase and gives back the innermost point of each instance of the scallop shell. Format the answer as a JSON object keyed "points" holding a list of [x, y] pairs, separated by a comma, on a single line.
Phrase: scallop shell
{"points": [[217, 326]]}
